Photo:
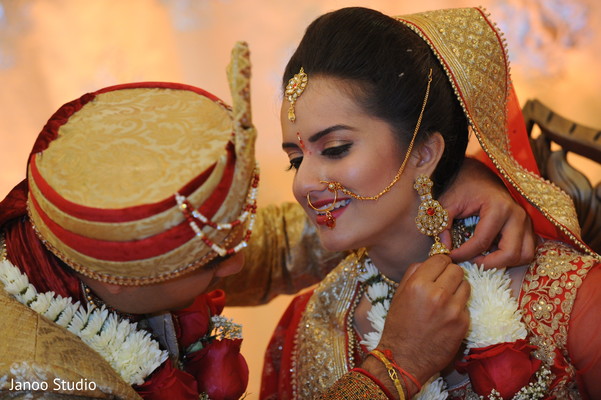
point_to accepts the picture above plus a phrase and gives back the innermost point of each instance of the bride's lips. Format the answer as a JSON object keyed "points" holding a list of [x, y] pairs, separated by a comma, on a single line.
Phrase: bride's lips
{"points": [[321, 217]]}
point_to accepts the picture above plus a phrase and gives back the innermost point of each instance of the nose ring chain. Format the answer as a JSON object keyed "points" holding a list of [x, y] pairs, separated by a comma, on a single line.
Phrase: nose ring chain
{"points": [[330, 219], [334, 186]]}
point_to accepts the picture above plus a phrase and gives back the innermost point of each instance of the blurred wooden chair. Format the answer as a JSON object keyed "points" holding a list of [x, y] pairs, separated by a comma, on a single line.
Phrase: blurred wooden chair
{"points": [[553, 165]]}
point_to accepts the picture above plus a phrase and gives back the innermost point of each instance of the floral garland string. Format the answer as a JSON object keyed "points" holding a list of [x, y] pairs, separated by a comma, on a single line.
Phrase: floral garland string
{"points": [[380, 292], [131, 352], [496, 330]]}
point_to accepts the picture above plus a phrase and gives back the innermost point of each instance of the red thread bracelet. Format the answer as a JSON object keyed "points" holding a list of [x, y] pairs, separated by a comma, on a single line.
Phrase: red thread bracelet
{"points": [[390, 357]]}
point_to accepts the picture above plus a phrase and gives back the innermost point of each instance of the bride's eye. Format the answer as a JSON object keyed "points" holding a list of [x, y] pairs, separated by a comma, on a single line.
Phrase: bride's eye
{"points": [[336, 151], [294, 163]]}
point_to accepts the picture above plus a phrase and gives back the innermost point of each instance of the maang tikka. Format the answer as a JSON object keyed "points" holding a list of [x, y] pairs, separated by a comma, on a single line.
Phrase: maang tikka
{"points": [[296, 86], [431, 218]]}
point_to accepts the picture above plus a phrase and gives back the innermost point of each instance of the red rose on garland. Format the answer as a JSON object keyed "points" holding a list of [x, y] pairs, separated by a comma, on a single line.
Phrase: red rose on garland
{"points": [[504, 367], [193, 322], [212, 364], [220, 369], [168, 382], [500, 362], [212, 346]]}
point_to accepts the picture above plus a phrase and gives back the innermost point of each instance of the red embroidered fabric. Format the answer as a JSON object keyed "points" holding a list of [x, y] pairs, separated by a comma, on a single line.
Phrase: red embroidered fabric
{"points": [[276, 381], [583, 348]]}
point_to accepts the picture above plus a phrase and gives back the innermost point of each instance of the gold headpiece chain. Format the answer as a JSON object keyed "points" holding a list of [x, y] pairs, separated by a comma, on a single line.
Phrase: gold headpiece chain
{"points": [[337, 186], [296, 86]]}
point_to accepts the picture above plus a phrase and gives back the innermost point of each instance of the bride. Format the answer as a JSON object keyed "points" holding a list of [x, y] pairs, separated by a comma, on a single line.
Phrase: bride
{"points": [[375, 124]]}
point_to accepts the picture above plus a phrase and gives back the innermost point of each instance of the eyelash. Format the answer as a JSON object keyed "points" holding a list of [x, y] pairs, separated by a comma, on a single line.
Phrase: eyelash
{"points": [[331, 152], [336, 151], [294, 163]]}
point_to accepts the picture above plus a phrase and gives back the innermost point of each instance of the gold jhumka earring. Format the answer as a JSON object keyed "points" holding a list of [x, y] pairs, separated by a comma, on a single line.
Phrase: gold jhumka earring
{"points": [[337, 186], [294, 89], [431, 217]]}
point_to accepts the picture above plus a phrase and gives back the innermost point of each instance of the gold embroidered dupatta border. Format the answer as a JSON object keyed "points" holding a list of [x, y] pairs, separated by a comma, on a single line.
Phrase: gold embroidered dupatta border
{"points": [[471, 51]]}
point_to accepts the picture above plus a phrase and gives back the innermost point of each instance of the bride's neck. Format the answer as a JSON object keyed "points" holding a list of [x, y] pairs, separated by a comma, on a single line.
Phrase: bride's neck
{"points": [[394, 257]]}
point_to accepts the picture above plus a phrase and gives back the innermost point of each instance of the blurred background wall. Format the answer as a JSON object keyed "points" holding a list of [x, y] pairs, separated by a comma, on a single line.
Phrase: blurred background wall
{"points": [[53, 51]]}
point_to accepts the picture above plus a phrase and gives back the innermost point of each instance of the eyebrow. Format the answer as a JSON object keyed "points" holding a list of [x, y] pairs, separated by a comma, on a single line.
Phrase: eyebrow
{"points": [[315, 137]]}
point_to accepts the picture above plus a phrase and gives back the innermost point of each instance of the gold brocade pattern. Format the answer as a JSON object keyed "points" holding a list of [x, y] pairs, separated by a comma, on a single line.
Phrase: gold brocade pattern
{"points": [[34, 349], [161, 127], [239, 74], [354, 385], [471, 50], [321, 353], [146, 271], [549, 290], [129, 230], [154, 116]]}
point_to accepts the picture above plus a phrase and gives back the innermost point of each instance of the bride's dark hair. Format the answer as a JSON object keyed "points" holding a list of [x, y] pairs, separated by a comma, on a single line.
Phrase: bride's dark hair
{"points": [[387, 67]]}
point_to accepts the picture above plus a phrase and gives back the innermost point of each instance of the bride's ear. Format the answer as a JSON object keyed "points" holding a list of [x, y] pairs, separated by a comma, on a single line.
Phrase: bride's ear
{"points": [[428, 154]]}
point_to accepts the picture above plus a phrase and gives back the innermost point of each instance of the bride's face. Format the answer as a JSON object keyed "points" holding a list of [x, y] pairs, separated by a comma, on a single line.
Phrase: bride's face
{"points": [[332, 139]]}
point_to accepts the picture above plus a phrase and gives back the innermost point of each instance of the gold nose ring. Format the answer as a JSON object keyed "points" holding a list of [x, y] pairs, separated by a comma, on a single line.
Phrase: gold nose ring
{"points": [[331, 220]]}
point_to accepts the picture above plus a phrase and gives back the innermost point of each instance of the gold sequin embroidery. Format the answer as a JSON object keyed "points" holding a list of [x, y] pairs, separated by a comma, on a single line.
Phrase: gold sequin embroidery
{"points": [[548, 293], [320, 355]]}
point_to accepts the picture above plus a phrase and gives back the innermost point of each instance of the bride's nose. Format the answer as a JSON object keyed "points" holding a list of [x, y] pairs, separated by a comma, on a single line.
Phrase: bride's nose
{"points": [[309, 179]]}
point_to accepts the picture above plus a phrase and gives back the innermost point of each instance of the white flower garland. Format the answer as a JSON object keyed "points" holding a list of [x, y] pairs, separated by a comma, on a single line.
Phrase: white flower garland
{"points": [[494, 314], [131, 352], [380, 294]]}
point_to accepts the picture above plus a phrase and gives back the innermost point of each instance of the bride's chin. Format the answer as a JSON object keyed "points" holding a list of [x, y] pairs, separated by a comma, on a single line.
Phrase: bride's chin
{"points": [[334, 243]]}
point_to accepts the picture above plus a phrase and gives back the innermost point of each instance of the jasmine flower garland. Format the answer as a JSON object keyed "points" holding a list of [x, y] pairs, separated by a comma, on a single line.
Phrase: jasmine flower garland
{"points": [[495, 318], [379, 294], [132, 353]]}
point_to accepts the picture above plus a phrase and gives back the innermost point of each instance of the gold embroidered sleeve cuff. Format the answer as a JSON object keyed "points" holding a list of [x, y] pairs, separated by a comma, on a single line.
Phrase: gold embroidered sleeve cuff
{"points": [[355, 385]]}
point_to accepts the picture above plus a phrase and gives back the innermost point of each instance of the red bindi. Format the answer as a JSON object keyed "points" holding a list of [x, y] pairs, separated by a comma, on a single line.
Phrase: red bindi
{"points": [[300, 140]]}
